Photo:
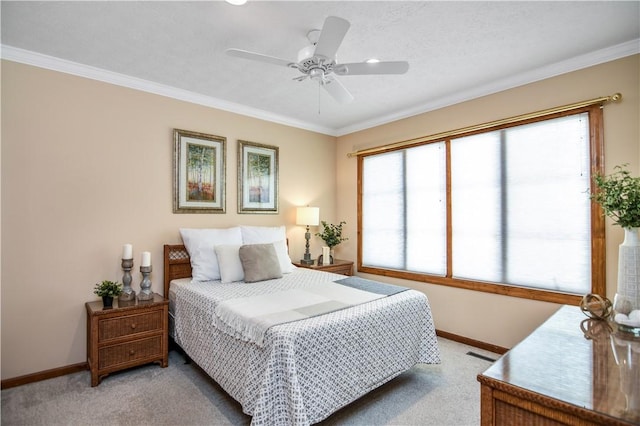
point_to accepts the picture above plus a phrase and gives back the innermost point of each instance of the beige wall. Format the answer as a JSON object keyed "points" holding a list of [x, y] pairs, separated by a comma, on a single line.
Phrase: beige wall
{"points": [[496, 319], [86, 167]]}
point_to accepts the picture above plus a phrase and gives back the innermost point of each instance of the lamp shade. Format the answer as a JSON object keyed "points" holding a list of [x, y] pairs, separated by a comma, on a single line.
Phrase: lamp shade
{"points": [[308, 216]]}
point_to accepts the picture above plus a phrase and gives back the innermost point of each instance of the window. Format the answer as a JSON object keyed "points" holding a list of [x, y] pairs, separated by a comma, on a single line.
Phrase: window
{"points": [[403, 207], [504, 210]]}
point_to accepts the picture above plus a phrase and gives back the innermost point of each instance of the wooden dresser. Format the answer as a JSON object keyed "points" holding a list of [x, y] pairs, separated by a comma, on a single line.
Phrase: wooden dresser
{"points": [[129, 334], [557, 376]]}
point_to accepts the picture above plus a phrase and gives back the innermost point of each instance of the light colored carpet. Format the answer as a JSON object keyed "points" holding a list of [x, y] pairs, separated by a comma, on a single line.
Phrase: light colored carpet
{"points": [[181, 394]]}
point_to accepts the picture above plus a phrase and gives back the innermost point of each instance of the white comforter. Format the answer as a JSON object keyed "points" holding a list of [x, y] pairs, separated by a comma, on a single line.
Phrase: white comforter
{"points": [[305, 369], [249, 318]]}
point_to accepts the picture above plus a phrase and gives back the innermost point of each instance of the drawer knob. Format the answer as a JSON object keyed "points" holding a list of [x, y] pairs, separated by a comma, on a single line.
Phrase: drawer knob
{"points": [[132, 352], [133, 326]]}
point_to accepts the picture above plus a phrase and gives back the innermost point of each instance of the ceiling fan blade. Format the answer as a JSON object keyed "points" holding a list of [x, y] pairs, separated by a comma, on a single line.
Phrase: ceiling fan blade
{"points": [[364, 68], [334, 87], [331, 36], [245, 54]]}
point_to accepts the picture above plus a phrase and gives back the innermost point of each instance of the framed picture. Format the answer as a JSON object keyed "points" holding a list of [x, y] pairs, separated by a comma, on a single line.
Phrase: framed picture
{"points": [[199, 170], [257, 178]]}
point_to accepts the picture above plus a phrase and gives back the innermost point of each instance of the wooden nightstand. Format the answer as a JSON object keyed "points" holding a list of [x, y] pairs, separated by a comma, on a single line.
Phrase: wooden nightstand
{"points": [[344, 267], [130, 334]]}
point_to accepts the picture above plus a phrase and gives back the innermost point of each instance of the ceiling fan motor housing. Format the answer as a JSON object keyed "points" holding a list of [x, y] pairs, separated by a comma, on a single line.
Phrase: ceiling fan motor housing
{"points": [[316, 67]]}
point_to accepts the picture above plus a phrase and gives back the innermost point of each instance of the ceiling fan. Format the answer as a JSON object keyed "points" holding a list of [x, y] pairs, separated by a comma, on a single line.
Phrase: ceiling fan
{"points": [[317, 61]]}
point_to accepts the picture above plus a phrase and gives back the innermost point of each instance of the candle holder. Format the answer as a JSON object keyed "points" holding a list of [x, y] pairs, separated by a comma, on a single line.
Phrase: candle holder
{"points": [[145, 285], [127, 292]]}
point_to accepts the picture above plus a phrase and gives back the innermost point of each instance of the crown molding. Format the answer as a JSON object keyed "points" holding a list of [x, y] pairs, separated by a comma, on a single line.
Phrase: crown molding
{"points": [[619, 51], [61, 65], [597, 57]]}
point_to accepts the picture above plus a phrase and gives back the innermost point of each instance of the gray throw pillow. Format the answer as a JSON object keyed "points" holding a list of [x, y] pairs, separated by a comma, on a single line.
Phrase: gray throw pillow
{"points": [[259, 262]]}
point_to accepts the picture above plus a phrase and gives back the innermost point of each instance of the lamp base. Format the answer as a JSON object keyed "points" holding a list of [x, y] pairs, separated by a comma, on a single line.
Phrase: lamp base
{"points": [[307, 260]]}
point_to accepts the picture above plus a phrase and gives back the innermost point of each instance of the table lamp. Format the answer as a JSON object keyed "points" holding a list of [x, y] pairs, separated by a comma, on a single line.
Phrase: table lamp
{"points": [[307, 216]]}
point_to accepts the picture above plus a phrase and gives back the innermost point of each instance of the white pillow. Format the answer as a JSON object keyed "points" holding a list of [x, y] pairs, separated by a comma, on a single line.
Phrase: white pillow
{"points": [[229, 262], [283, 256], [270, 234], [200, 244]]}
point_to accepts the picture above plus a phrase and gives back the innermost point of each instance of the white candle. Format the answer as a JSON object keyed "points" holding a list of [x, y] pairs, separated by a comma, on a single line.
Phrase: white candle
{"points": [[326, 255], [127, 251], [146, 259]]}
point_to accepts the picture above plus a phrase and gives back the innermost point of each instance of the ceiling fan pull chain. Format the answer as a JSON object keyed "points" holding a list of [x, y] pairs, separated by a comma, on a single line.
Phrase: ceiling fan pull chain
{"points": [[319, 84]]}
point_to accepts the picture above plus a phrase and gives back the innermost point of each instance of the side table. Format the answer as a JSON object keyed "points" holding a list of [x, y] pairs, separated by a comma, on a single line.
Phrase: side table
{"points": [[344, 267], [129, 334]]}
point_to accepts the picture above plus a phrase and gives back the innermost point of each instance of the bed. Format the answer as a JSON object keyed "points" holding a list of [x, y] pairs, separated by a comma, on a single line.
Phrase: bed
{"points": [[301, 371]]}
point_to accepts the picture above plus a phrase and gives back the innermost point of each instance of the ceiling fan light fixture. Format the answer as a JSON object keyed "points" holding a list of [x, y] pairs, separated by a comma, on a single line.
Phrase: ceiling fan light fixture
{"points": [[236, 2], [372, 61], [316, 74]]}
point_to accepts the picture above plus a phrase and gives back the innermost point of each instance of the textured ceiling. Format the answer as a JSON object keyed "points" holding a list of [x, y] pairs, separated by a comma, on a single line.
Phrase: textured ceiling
{"points": [[456, 50]]}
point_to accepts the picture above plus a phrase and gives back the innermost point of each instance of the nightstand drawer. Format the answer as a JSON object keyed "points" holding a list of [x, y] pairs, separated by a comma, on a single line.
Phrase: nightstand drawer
{"points": [[132, 351], [112, 328], [344, 267], [338, 269]]}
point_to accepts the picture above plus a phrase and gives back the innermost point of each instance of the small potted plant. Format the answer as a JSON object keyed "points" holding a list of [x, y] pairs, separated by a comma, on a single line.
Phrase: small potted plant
{"points": [[108, 290], [332, 236]]}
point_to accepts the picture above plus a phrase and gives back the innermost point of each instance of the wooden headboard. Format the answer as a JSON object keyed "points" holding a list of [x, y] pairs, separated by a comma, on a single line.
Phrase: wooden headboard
{"points": [[176, 265]]}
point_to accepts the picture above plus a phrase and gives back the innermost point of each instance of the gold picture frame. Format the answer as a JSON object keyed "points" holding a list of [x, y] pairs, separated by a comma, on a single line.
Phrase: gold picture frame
{"points": [[199, 170], [257, 178]]}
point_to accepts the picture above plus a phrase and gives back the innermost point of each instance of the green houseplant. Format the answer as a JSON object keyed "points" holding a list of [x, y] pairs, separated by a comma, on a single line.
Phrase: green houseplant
{"points": [[619, 196], [332, 236], [108, 290]]}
